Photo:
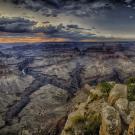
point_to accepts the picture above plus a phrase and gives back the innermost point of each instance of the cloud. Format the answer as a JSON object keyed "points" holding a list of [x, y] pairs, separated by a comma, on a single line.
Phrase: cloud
{"points": [[16, 25], [61, 31], [75, 26], [56, 7], [21, 25], [128, 1]]}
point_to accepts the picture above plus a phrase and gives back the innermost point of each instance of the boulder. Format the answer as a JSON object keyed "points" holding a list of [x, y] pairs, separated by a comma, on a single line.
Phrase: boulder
{"points": [[132, 106], [132, 111], [70, 126], [131, 129], [111, 123], [118, 91], [122, 106]]}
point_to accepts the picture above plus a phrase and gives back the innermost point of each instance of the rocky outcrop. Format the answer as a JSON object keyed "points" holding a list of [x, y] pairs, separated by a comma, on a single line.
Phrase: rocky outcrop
{"points": [[119, 91], [85, 118], [131, 129], [111, 122], [122, 106], [115, 114]]}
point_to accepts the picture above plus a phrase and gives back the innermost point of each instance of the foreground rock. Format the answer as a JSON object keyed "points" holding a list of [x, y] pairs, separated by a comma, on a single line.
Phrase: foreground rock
{"points": [[119, 91], [131, 130], [103, 115], [111, 122]]}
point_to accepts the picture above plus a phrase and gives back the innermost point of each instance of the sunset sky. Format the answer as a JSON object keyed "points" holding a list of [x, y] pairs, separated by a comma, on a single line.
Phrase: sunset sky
{"points": [[66, 20]]}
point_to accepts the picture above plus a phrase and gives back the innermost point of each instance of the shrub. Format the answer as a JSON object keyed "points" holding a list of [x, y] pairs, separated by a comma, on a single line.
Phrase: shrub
{"points": [[69, 130], [131, 80], [131, 92], [131, 88], [90, 124], [78, 119], [105, 87], [93, 125]]}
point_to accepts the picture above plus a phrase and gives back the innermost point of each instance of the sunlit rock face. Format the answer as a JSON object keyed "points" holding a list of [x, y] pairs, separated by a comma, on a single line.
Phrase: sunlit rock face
{"points": [[39, 80]]}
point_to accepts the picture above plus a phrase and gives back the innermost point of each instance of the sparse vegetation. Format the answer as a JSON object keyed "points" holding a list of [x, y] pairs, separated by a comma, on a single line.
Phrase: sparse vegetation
{"points": [[90, 123], [131, 91], [131, 88], [69, 130], [105, 87], [93, 124], [94, 119], [131, 80], [78, 119]]}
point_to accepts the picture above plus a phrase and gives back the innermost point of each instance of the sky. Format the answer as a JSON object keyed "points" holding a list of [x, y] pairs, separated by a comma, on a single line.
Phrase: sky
{"points": [[66, 20]]}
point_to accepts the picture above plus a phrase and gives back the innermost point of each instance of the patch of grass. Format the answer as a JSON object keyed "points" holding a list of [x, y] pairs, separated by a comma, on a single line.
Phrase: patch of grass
{"points": [[131, 88], [78, 119], [105, 87], [131, 92], [93, 125], [131, 80], [69, 130], [90, 124]]}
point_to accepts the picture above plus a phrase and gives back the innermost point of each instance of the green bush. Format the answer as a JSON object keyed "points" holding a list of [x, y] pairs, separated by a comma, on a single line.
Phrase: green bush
{"points": [[78, 119], [131, 88], [105, 87], [131, 80], [131, 92], [92, 125], [69, 130]]}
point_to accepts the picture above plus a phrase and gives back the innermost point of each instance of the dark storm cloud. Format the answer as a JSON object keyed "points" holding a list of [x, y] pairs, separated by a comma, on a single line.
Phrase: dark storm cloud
{"points": [[78, 8], [21, 25], [80, 18], [58, 3], [16, 25], [75, 26], [61, 31]]}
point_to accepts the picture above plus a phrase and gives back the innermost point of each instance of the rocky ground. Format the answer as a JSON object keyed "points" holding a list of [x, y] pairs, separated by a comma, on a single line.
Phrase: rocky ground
{"points": [[109, 110], [40, 83]]}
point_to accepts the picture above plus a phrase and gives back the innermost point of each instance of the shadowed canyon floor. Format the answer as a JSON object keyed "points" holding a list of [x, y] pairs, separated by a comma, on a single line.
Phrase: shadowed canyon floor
{"points": [[38, 81]]}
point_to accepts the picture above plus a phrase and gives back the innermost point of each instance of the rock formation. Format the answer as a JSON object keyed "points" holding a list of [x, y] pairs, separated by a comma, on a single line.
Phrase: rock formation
{"points": [[31, 73], [110, 113], [119, 91], [111, 123]]}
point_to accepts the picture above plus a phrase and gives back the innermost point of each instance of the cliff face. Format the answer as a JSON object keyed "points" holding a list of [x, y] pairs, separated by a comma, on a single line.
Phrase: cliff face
{"points": [[107, 111]]}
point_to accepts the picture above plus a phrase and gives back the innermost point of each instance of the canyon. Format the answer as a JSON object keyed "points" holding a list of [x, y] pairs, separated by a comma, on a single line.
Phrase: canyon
{"points": [[39, 83]]}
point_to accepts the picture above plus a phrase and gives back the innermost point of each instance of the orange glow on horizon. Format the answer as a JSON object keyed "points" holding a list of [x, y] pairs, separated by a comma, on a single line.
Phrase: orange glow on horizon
{"points": [[30, 39], [89, 40]]}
